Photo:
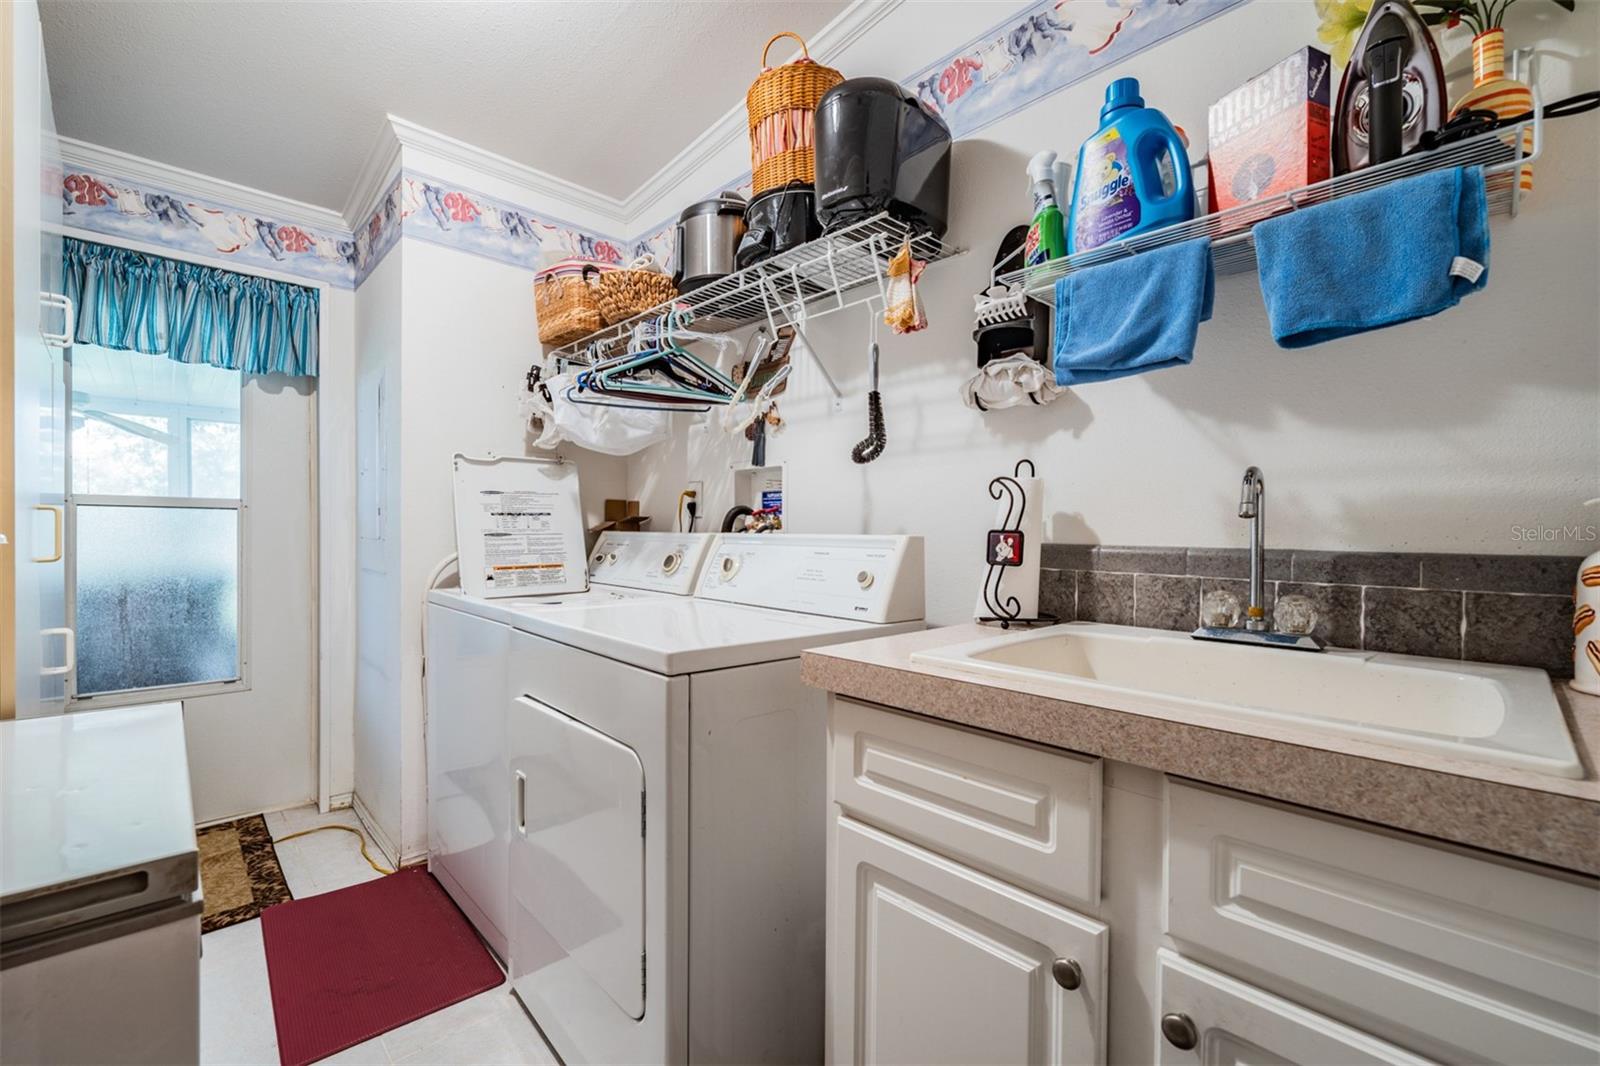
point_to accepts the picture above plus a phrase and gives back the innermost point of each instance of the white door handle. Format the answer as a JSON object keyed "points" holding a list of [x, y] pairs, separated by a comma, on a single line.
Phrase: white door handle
{"points": [[68, 321], [70, 643], [522, 802], [55, 552]]}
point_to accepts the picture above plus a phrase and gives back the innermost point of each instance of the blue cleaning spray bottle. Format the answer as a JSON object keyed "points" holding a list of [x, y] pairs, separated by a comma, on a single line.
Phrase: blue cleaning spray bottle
{"points": [[1132, 175]]}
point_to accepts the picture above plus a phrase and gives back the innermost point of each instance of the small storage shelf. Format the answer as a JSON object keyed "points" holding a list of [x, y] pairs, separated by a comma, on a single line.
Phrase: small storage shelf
{"points": [[843, 269], [1500, 152]]}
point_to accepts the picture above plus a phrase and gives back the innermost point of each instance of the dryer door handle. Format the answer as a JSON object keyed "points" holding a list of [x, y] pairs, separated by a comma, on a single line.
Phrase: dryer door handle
{"points": [[522, 802]]}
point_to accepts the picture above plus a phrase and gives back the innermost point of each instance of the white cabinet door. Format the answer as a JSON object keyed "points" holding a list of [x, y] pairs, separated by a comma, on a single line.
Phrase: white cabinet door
{"points": [[1209, 1018], [934, 962]]}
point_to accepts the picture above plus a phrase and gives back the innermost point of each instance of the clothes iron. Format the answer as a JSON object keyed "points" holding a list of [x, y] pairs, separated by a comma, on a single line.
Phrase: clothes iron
{"points": [[1392, 91]]}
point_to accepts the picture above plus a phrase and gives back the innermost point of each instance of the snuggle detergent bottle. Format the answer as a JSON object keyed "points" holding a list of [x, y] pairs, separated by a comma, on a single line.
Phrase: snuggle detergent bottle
{"points": [[1133, 174]]}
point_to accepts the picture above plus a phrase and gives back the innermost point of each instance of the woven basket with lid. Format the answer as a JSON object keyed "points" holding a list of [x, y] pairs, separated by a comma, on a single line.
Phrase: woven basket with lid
{"points": [[782, 106]]}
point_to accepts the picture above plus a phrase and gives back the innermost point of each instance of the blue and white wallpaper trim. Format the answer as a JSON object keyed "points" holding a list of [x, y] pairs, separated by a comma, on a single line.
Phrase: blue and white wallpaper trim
{"points": [[1042, 49], [1045, 48], [108, 204]]}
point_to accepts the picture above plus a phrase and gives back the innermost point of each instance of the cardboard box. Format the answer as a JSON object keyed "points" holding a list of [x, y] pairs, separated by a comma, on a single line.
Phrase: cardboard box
{"points": [[622, 515], [1271, 134]]}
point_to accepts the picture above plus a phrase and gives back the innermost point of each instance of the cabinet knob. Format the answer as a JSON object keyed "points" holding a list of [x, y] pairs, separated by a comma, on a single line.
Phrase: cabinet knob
{"points": [[1068, 974], [1180, 1031]]}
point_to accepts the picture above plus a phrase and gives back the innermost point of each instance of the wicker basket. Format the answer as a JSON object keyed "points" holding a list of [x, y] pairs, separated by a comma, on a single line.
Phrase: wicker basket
{"points": [[632, 290], [567, 306], [782, 105]]}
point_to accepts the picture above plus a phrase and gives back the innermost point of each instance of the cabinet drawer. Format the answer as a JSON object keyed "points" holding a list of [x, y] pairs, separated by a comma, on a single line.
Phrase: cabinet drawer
{"points": [[932, 962], [1457, 957], [1030, 815], [1234, 1023]]}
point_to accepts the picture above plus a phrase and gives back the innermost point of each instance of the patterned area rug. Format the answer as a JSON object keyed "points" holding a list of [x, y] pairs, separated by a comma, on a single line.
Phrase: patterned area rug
{"points": [[239, 872]]}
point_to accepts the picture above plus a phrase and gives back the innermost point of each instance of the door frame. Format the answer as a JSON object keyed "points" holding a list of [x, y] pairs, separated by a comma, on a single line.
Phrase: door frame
{"points": [[334, 590], [8, 370]]}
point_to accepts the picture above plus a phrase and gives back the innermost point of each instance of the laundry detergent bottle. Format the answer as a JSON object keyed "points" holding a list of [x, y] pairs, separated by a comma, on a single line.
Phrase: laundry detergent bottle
{"points": [[1133, 174]]}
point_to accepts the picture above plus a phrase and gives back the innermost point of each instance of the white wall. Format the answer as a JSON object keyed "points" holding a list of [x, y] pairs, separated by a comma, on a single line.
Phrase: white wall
{"points": [[1438, 435], [336, 536], [256, 750], [377, 722]]}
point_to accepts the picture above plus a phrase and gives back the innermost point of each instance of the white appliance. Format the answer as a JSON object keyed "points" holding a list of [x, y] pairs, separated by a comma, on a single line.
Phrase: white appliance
{"points": [[469, 643], [99, 890], [668, 775]]}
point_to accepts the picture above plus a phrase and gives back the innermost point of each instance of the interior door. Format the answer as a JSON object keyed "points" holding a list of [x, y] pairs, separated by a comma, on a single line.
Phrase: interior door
{"points": [[578, 819], [935, 962], [42, 648]]}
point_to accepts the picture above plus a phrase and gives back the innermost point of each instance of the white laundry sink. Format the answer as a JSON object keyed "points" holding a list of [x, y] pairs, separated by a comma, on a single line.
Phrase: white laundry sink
{"points": [[1497, 714]]}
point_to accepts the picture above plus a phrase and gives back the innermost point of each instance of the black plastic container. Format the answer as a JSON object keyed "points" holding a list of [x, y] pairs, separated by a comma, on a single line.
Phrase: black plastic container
{"points": [[777, 221], [879, 149]]}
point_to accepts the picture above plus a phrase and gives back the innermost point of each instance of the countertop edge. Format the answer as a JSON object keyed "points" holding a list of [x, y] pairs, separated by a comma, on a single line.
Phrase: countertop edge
{"points": [[1549, 828]]}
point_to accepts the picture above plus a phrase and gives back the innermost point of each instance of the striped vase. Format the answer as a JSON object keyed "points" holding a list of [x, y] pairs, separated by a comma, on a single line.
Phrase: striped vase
{"points": [[1493, 91]]}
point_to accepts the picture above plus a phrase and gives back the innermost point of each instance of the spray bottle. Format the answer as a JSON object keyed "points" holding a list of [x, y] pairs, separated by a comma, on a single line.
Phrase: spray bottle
{"points": [[1047, 237]]}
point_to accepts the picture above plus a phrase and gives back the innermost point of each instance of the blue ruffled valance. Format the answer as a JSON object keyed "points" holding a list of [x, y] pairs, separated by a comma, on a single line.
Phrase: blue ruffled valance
{"points": [[190, 313]]}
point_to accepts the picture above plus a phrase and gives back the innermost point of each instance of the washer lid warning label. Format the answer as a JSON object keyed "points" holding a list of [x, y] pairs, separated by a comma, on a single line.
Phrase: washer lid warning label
{"points": [[524, 547]]}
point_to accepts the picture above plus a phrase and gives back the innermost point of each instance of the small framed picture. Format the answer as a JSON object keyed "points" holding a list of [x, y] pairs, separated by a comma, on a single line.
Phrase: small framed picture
{"points": [[1005, 547]]}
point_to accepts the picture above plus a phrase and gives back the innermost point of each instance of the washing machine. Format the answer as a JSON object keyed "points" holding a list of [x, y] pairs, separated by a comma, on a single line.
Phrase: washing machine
{"points": [[468, 686], [667, 769]]}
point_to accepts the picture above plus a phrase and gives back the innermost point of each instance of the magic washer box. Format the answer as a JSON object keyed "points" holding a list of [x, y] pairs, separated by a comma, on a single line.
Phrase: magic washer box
{"points": [[1271, 134]]}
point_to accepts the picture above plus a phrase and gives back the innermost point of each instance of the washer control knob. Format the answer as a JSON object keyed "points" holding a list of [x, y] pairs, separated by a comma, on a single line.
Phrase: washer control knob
{"points": [[611, 558], [730, 566], [670, 564], [864, 578]]}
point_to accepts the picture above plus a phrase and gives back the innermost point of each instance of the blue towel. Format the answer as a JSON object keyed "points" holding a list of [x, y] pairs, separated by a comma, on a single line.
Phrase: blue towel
{"points": [[1132, 315], [1404, 250]]}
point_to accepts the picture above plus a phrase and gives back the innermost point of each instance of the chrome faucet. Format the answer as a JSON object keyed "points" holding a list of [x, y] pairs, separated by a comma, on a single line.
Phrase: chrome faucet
{"points": [[1252, 507], [1252, 500]]}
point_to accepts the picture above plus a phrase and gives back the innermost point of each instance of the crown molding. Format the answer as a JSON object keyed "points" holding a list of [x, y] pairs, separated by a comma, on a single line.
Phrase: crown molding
{"points": [[847, 27], [564, 192], [110, 161], [377, 172]]}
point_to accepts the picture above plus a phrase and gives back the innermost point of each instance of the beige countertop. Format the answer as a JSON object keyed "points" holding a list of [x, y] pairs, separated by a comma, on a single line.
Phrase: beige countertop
{"points": [[1544, 819]]}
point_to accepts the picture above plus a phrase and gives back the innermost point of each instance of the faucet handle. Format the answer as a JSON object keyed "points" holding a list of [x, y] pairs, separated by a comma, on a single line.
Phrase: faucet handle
{"points": [[1251, 490]]}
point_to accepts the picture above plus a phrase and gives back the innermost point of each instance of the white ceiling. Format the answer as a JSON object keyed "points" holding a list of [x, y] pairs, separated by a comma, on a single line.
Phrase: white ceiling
{"points": [[288, 97]]}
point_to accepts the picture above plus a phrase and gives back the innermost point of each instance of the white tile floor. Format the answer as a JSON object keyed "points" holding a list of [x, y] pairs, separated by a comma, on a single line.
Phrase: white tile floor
{"points": [[236, 1003]]}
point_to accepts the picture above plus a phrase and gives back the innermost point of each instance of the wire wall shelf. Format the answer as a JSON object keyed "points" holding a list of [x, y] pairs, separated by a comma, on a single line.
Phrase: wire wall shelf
{"points": [[844, 269], [1501, 153]]}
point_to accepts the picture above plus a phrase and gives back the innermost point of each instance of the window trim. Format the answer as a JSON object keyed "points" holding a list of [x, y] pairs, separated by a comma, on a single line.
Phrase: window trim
{"points": [[160, 693]]}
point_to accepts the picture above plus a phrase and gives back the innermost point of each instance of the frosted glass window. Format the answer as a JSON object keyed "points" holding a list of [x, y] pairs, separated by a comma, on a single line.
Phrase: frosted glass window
{"points": [[157, 596]]}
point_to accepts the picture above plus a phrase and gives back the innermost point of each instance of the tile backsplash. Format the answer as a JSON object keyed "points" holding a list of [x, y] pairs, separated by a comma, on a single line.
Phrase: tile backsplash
{"points": [[1513, 609]]}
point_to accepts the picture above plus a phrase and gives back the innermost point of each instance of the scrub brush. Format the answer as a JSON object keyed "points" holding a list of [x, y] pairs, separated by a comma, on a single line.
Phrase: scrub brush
{"points": [[872, 447]]}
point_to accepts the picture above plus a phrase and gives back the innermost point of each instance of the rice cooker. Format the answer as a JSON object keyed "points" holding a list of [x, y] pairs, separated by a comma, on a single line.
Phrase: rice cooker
{"points": [[706, 239]]}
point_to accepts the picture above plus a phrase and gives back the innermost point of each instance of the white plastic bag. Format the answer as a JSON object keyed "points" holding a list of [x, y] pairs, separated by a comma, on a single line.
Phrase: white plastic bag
{"points": [[603, 428]]}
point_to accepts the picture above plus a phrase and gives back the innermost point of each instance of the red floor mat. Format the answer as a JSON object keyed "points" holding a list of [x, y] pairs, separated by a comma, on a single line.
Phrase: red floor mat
{"points": [[346, 966]]}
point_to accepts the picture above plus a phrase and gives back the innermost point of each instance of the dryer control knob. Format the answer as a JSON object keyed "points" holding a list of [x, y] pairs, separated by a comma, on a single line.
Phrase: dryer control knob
{"points": [[730, 566], [670, 564], [864, 578]]}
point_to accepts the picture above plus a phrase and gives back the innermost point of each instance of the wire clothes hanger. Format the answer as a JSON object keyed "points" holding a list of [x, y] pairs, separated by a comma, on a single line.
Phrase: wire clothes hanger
{"points": [[658, 373]]}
